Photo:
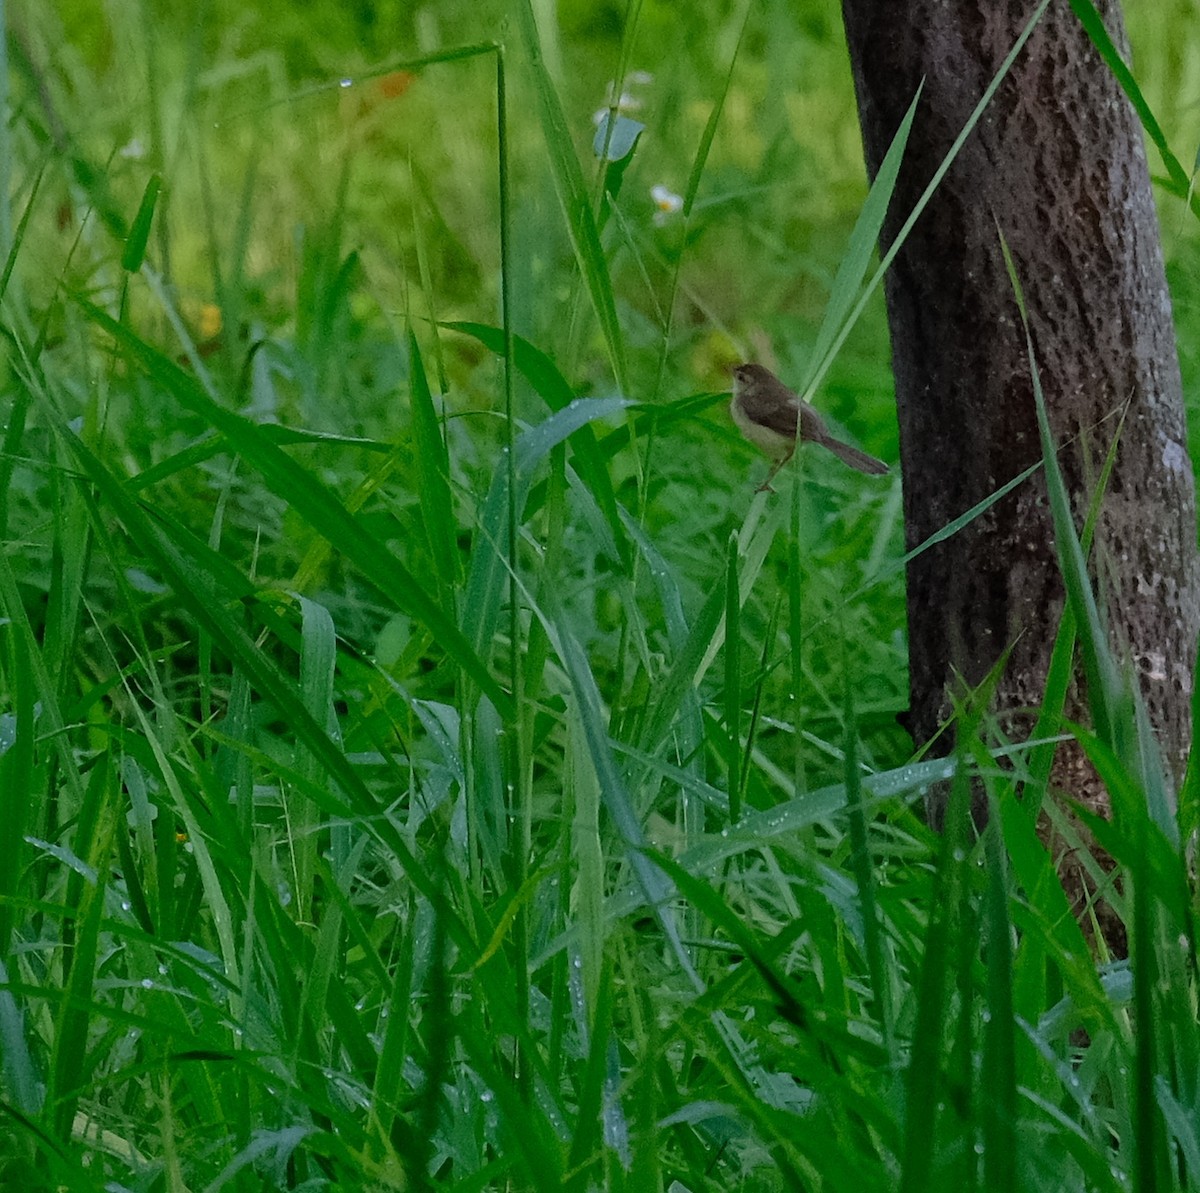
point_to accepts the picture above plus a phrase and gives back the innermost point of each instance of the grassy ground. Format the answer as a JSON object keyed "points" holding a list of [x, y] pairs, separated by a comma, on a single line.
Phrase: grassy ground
{"points": [[424, 760]]}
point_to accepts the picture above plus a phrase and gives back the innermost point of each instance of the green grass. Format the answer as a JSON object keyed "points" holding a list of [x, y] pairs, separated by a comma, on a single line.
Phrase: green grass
{"points": [[425, 762]]}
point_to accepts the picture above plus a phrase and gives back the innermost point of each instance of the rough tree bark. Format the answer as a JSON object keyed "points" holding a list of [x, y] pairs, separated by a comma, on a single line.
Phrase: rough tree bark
{"points": [[1058, 161]]}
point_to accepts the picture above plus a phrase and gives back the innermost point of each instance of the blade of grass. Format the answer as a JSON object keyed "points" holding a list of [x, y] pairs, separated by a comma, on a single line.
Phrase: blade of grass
{"points": [[654, 886], [898, 242], [488, 559], [691, 192], [573, 197], [864, 872], [139, 230], [1062, 657], [1093, 24], [542, 373], [998, 1075], [1189, 793], [385, 1093], [318, 663], [837, 1044], [536, 1149], [20, 794], [69, 1057], [733, 679], [860, 248], [217, 444], [924, 1092], [587, 848], [196, 592], [311, 500], [1103, 685], [586, 1140], [433, 479], [396, 66], [1114, 711], [12, 248]]}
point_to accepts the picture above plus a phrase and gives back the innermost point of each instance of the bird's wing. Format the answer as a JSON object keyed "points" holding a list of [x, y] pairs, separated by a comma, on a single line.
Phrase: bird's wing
{"points": [[777, 416]]}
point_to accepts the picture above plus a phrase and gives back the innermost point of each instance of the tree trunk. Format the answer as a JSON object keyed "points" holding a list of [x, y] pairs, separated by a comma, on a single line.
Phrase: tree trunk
{"points": [[1057, 162]]}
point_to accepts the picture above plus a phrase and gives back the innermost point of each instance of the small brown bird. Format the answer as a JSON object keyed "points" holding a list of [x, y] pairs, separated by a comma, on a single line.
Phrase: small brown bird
{"points": [[765, 411]]}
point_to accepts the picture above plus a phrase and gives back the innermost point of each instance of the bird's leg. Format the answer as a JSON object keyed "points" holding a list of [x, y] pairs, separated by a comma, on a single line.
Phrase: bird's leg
{"points": [[765, 487]]}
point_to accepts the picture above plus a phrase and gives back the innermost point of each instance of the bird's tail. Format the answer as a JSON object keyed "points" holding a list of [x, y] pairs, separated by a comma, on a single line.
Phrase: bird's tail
{"points": [[855, 458]]}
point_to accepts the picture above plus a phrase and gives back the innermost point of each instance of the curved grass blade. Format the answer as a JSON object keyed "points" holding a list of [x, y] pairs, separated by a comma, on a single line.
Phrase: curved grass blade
{"points": [[894, 248], [217, 443], [312, 500], [861, 246], [196, 592], [488, 564], [1103, 683], [573, 197], [1093, 24], [543, 374]]}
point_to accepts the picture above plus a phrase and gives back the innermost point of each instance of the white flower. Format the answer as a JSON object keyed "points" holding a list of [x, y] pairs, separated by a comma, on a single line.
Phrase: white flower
{"points": [[626, 101], [667, 202]]}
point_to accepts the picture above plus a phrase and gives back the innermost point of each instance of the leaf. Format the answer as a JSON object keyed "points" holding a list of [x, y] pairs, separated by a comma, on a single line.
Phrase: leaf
{"points": [[139, 232], [621, 142]]}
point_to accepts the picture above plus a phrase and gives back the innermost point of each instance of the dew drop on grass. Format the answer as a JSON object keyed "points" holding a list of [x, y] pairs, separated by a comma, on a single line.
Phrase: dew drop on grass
{"points": [[486, 1096], [345, 82], [147, 983]]}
